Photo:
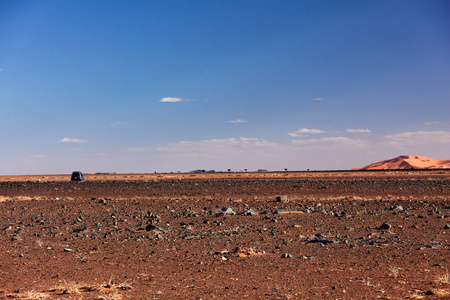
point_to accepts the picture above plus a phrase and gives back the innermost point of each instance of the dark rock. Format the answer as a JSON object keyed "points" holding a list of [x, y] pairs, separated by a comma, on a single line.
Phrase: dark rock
{"points": [[282, 198], [16, 238], [385, 226], [79, 229], [151, 227], [322, 240]]}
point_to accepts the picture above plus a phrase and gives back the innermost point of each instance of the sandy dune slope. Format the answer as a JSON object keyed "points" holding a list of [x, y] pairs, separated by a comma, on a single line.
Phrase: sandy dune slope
{"points": [[408, 162]]}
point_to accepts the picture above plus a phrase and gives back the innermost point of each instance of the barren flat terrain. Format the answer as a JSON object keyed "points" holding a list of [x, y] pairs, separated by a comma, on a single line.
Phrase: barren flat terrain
{"points": [[282, 235]]}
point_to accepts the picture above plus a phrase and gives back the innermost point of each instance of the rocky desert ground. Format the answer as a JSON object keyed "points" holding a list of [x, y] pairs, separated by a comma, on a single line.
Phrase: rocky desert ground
{"points": [[284, 235]]}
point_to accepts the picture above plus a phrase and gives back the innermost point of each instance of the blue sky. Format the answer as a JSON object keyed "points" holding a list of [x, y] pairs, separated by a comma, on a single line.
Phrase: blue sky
{"points": [[166, 86]]}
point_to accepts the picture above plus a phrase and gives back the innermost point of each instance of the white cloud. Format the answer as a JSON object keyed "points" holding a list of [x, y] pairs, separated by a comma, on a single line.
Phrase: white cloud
{"points": [[431, 123], [304, 131], [317, 99], [358, 131], [418, 138], [333, 143], [37, 156], [217, 146], [220, 154], [69, 140], [116, 123], [293, 134], [170, 100], [237, 121], [137, 149], [98, 154]]}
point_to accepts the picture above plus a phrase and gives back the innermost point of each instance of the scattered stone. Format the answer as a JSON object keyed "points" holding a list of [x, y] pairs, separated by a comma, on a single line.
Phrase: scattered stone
{"points": [[430, 293], [250, 212], [7, 228], [282, 198], [385, 226], [151, 227], [292, 211], [79, 229], [68, 250], [397, 208], [286, 255], [16, 238], [447, 226], [322, 240], [224, 211]]}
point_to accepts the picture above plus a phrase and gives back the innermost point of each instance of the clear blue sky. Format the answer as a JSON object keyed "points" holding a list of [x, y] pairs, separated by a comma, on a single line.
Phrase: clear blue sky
{"points": [[144, 86]]}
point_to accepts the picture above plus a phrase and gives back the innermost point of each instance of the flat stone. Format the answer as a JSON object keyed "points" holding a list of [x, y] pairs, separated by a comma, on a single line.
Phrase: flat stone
{"points": [[224, 211], [250, 212], [322, 241], [151, 227], [292, 211]]}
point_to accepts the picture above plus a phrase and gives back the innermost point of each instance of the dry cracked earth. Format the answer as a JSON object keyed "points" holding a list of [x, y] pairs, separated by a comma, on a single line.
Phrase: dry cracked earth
{"points": [[311, 235]]}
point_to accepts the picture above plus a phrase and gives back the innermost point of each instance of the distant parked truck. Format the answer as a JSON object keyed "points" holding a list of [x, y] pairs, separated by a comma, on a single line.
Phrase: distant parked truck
{"points": [[77, 176]]}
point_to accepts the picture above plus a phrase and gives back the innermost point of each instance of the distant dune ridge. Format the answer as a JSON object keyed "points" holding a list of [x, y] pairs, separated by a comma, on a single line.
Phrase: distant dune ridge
{"points": [[405, 162]]}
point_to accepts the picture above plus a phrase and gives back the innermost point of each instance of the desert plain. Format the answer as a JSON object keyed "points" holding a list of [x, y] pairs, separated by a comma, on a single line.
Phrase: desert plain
{"points": [[268, 235]]}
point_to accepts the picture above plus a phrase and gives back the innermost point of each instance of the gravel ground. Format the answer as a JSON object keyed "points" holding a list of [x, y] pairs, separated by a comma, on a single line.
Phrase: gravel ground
{"points": [[338, 235]]}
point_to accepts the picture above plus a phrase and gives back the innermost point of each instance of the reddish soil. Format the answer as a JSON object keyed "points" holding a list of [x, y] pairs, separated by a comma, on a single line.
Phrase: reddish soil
{"points": [[316, 235]]}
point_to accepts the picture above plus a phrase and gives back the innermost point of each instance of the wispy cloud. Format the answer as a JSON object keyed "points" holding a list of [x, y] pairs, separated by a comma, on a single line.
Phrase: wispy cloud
{"points": [[358, 131], [97, 154], [70, 140], [37, 156], [137, 149], [171, 100], [418, 138], [217, 145], [333, 142], [431, 123], [116, 123], [237, 121], [305, 131], [317, 99]]}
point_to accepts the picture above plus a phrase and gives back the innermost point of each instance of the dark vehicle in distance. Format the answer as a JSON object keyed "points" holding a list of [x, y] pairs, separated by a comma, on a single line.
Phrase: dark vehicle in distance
{"points": [[77, 176]]}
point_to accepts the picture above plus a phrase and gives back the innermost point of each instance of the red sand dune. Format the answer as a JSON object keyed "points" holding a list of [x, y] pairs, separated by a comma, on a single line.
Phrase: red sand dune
{"points": [[408, 162]]}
